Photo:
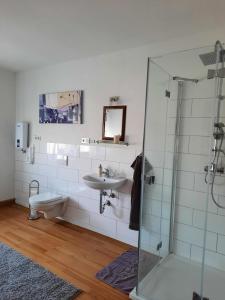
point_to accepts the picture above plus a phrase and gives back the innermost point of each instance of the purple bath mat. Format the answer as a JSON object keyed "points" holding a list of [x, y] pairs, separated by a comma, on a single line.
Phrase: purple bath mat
{"points": [[122, 272]]}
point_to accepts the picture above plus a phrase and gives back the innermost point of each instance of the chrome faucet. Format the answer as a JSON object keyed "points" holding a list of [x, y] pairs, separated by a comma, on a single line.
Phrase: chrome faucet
{"points": [[106, 172]]}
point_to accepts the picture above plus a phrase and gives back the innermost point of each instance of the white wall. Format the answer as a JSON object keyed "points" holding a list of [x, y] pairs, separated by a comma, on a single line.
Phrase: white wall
{"points": [[7, 126], [122, 74]]}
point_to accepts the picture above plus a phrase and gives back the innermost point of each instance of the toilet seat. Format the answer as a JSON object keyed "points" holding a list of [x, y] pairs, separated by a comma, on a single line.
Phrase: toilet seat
{"points": [[45, 200]]}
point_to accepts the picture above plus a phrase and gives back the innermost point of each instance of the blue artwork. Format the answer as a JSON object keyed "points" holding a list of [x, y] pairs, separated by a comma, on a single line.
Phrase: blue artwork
{"points": [[63, 108]]}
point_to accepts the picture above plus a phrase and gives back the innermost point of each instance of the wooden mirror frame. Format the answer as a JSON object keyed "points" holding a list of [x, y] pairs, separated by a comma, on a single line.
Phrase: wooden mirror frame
{"points": [[122, 135]]}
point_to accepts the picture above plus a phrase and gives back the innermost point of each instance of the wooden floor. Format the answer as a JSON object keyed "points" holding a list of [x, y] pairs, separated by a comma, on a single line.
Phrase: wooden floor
{"points": [[73, 253]]}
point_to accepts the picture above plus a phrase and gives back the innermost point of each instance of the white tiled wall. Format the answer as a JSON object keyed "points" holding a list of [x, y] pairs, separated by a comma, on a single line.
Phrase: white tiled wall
{"points": [[191, 194], [83, 206]]}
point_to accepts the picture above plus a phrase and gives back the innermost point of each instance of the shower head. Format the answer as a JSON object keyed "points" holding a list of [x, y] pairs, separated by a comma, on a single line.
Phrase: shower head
{"points": [[212, 73], [210, 58]]}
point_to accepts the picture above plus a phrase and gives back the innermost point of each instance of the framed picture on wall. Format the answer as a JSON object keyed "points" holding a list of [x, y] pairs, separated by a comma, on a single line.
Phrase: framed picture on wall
{"points": [[63, 107]]}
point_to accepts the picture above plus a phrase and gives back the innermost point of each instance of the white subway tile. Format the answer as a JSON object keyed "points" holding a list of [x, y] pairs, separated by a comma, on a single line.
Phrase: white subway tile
{"points": [[95, 152], [196, 200], [153, 191], [203, 107], [170, 139], [79, 163], [155, 139], [200, 185], [36, 144], [155, 158], [30, 168], [19, 166], [57, 160], [42, 147], [151, 223], [196, 126], [21, 176], [120, 155], [204, 89], [58, 185], [62, 149], [186, 107], [67, 174], [126, 170], [215, 260], [183, 215], [19, 155], [166, 208], [76, 216], [75, 188], [168, 160], [182, 249], [192, 163], [216, 223], [196, 253], [166, 196], [88, 204], [199, 219], [171, 124], [117, 213], [165, 227], [22, 198], [41, 158], [195, 236], [219, 187], [183, 143], [221, 244], [19, 185], [123, 233], [125, 200], [199, 145], [167, 177], [158, 173], [172, 108], [103, 223], [221, 200], [47, 170], [185, 180], [152, 207]]}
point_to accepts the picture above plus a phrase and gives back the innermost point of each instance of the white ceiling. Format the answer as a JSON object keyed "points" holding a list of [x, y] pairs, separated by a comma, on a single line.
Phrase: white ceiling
{"points": [[35, 33]]}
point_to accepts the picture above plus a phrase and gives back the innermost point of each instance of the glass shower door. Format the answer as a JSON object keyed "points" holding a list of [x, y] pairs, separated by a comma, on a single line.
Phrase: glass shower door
{"points": [[171, 241], [158, 171]]}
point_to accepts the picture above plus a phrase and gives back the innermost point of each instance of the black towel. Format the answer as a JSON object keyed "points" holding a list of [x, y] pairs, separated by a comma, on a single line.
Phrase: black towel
{"points": [[197, 297], [136, 191]]}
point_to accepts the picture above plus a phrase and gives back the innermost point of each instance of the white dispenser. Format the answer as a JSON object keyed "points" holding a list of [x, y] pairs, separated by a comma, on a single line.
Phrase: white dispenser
{"points": [[21, 141]]}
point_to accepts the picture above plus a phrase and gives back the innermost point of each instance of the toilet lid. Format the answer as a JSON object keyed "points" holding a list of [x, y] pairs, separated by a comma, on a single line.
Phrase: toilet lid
{"points": [[45, 198]]}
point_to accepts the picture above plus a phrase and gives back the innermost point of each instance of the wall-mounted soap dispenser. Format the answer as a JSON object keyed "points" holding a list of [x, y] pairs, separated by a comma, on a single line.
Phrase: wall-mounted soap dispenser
{"points": [[22, 130]]}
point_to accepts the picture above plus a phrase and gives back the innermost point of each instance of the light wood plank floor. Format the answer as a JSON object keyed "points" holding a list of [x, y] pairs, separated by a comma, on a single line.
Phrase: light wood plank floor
{"points": [[73, 253]]}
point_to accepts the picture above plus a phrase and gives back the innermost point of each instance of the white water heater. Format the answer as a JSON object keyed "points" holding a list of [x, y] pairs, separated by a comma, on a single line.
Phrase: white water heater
{"points": [[22, 136]]}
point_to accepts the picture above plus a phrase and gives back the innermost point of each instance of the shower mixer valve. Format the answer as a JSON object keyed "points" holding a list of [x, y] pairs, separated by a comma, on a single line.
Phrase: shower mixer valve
{"points": [[212, 168], [219, 132]]}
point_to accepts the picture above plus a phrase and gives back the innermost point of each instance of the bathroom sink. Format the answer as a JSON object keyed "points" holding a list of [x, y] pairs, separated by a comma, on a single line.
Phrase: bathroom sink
{"points": [[104, 183]]}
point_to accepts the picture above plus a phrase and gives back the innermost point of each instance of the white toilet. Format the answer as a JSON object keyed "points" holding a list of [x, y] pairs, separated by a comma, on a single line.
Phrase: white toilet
{"points": [[51, 204]]}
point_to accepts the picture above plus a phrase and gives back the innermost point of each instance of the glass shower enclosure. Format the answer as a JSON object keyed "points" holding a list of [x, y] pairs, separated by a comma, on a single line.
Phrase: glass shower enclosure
{"points": [[182, 230]]}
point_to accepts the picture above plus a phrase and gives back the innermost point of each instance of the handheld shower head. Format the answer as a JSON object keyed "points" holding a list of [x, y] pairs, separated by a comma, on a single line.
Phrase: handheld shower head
{"points": [[210, 58]]}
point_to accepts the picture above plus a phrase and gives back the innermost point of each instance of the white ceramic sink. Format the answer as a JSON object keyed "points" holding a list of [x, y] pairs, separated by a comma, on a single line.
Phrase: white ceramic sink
{"points": [[103, 183]]}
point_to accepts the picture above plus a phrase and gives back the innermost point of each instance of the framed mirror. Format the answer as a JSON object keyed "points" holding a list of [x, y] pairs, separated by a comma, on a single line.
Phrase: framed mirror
{"points": [[114, 122]]}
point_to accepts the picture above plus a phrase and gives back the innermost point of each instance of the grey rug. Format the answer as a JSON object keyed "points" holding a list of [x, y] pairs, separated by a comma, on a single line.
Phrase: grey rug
{"points": [[122, 272], [21, 279]]}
